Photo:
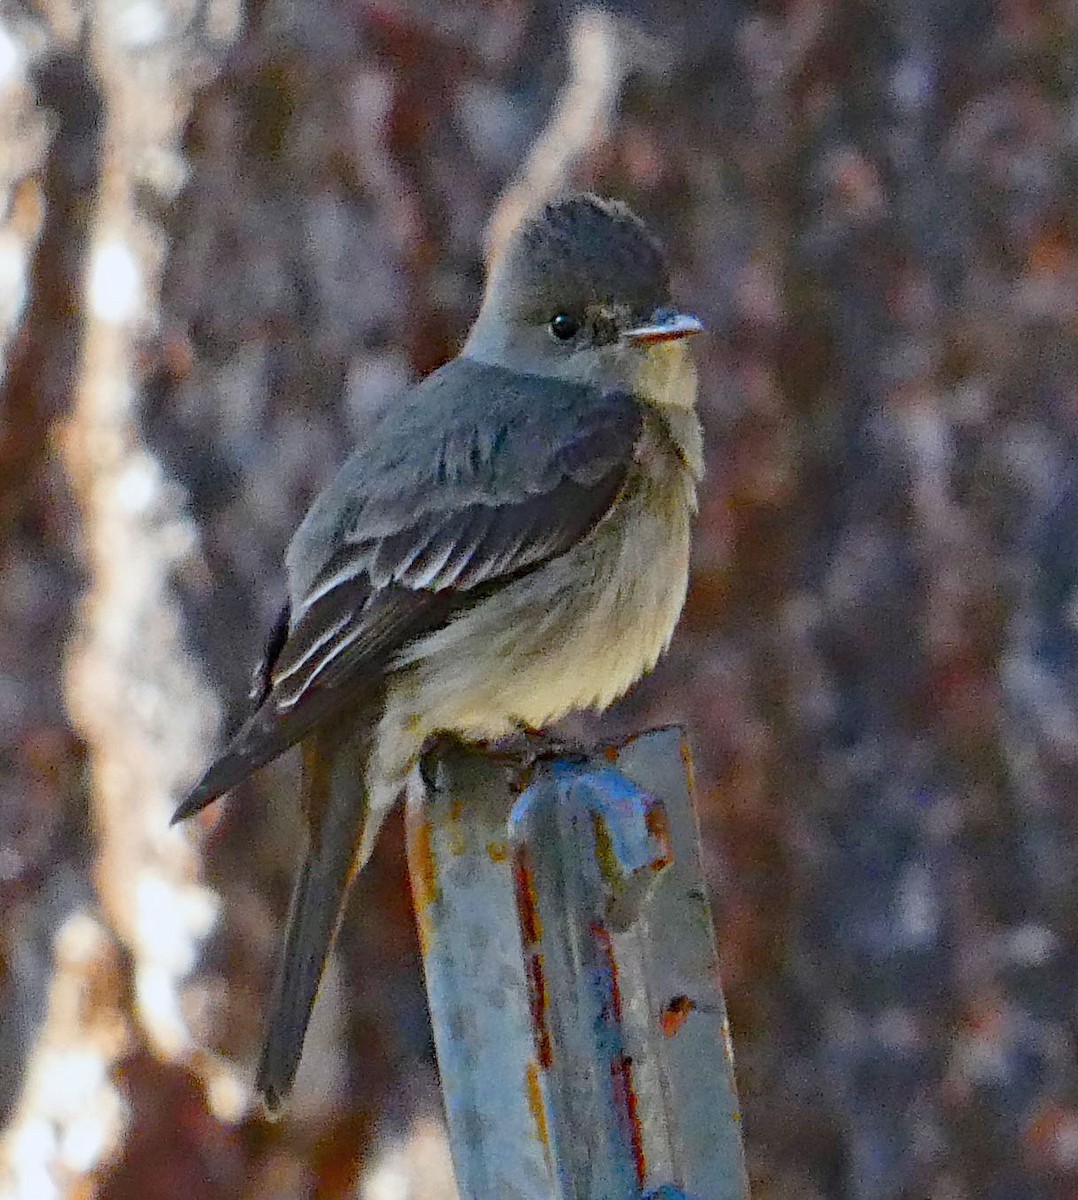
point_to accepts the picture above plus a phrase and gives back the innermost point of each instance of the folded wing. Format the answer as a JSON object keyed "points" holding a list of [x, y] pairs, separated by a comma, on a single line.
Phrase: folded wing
{"points": [[446, 506]]}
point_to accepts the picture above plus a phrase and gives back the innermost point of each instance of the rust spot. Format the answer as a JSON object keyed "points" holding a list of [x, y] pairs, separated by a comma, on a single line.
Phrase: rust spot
{"points": [[610, 753], [621, 1074], [531, 928], [690, 770], [606, 945], [604, 848], [675, 1014], [538, 1000], [424, 876], [536, 1106], [531, 931], [497, 851], [456, 829], [621, 1077], [659, 828]]}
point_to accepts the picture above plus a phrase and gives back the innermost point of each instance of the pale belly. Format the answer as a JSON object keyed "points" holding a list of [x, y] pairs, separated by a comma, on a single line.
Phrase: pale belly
{"points": [[575, 634]]}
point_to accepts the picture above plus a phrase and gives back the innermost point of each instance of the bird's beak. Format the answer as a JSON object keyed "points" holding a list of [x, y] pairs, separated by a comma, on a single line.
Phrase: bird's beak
{"points": [[665, 326]]}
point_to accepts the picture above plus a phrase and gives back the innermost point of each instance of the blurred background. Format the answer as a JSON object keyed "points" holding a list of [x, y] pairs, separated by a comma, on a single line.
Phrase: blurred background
{"points": [[229, 233]]}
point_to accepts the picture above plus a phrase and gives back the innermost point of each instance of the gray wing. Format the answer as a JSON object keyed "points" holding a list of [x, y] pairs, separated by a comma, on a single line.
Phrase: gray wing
{"points": [[451, 501]]}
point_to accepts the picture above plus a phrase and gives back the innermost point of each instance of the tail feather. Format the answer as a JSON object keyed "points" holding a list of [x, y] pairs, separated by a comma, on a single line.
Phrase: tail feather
{"points": [[334, 767], [317, 901]]}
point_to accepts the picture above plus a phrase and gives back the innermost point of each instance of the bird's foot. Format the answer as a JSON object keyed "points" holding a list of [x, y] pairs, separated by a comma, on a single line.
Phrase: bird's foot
{"points": [[521, 751], [540, 743], [525, 748], [435, 748]]}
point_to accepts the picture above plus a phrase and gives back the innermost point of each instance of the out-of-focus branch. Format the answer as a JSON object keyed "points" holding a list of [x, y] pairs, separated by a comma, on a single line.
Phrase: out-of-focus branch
{"points": [[603, 49], [417, 1165], [139, 700], [41, 360], [69, 1117], [136, 696]]}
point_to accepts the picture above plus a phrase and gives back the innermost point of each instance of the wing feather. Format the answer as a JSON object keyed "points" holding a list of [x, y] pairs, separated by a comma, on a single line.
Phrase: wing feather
{"points": [[418, 526]]}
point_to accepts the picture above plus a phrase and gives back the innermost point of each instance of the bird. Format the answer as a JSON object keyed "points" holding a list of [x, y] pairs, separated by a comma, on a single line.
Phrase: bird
{"points": [[509, 544]]}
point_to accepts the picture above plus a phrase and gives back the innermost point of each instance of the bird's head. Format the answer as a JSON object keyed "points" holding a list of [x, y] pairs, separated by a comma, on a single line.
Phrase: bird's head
{"points": [[581, 292]]}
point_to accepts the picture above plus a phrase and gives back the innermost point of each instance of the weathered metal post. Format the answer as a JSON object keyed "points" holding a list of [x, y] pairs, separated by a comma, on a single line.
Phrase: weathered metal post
{"points": [[573, 978]]}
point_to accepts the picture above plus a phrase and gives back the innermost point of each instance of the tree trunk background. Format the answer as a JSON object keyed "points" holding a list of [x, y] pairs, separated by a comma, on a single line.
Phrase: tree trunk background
{"points": [[229, 234]]}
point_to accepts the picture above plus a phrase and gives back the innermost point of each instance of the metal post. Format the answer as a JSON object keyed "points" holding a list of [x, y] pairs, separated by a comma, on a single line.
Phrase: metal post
{"points": [[573, 978]]}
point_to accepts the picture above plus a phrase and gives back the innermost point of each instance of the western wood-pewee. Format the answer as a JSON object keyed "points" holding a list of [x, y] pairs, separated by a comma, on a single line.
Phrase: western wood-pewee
{"points": [[511, 542]]}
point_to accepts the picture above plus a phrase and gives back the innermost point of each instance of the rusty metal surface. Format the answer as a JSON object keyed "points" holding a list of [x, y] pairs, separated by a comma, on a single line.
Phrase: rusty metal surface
{"points": [[586, 844], [573, 981], [671, 965], [463, 894]]}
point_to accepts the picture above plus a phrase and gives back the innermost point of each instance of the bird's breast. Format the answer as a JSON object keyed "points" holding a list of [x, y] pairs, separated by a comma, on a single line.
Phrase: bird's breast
{"points": [[576, 633]]}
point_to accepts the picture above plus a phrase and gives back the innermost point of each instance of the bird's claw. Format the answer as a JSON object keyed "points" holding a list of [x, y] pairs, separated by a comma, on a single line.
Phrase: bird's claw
{"points": [[520, 752], [524, 750]]}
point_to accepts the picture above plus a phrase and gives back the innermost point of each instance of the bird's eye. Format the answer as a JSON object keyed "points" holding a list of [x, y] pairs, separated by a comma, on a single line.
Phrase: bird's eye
{"points": [[564, 326]]}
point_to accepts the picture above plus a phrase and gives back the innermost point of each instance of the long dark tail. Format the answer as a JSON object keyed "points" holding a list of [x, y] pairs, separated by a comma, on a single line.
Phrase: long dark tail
{"points": [[335, 803]]}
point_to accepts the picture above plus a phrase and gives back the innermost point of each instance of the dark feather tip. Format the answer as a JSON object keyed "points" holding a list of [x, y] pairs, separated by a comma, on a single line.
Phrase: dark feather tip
{"points": [[272, 1101], [194, 803]]}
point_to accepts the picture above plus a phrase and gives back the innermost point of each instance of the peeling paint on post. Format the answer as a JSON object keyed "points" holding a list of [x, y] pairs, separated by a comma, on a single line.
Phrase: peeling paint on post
{"points": [[678, 1029], [584, 832], [573, 981], [476, 985]]}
